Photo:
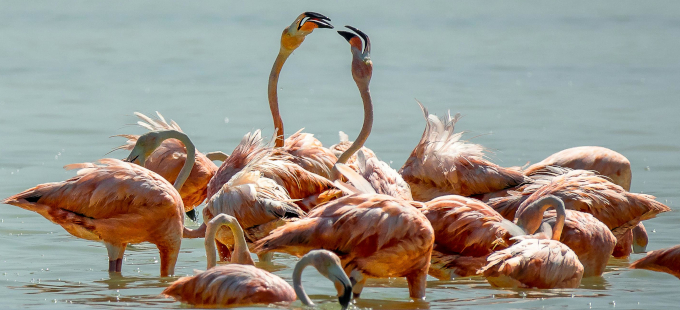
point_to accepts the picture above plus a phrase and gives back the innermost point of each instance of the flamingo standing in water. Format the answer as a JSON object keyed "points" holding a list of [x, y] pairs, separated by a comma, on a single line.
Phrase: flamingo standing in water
{"points": [[167, 160], [585, 191], [442, 164], [664, 260], [118, 203], [533, 262], [375, 235], [241, 283], [608, 163]]}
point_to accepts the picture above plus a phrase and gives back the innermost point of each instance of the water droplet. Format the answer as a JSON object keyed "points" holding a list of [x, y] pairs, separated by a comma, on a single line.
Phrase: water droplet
{"points": [[226, 120]]}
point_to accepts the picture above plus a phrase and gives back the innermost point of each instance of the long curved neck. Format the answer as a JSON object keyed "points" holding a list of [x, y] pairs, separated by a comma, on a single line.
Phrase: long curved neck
{"points": [[273, 94], [191, 155], [241, 254], [365, 129], [531, 218], [297, 280]]}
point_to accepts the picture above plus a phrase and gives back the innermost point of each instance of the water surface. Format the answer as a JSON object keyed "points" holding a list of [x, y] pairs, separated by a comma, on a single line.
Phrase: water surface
{"points": [[530, 78]]}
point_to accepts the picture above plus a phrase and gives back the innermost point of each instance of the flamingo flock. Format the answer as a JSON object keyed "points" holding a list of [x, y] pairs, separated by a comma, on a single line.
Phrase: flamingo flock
{"points": [[448, 211]]}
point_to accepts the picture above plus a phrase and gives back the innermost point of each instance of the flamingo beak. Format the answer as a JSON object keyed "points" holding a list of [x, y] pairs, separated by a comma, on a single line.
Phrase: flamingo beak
{"points": [[346, 296], [320, 20], [192, 215]]}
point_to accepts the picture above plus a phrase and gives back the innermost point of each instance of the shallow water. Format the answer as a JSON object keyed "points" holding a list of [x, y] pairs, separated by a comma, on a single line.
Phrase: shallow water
{"points": [[530, 78]]}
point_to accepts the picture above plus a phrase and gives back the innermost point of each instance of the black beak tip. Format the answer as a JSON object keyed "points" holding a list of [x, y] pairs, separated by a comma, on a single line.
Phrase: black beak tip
{"points": [[347, 35], [316, 15], [192, 215], [346, 297], [322, 23]]}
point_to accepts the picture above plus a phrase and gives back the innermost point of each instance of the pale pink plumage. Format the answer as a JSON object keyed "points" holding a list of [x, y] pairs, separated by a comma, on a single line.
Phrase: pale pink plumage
{"points": [[443, 164], [376, 235], [534, 263], [231, 285]]}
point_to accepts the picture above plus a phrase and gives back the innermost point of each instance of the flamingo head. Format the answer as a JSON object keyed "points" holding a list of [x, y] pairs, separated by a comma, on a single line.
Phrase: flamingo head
{"points": [[145, 145], [293, 35], [328, 264], [362, 66]]}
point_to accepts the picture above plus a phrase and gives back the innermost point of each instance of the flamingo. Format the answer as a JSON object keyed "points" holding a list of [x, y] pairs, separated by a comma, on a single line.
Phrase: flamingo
{"points": [[303, 164], [255, 201], [467, 231], [538, 263], [118, 203], [608, 163], [664, 260], [241, 283], [591, 240], [167, 160], [379, 174], [374, 235], [587, 192], [443, 164], [305, 150]]}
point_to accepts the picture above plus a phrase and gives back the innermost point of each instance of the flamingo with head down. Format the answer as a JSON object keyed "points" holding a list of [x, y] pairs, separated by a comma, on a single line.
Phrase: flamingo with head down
{"points": [[167, 160], [467, 231], [240, 283], [536, 263], [588, 192], [119, 203], [608, 163]]}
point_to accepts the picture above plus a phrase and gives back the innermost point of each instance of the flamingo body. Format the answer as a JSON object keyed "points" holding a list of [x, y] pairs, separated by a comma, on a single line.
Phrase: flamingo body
{"points": [[664, 260], [603, 160], [231, 285], [590, 239], [377, 235], [443, 164], [115, 202], [534, 263], [466, 232]]}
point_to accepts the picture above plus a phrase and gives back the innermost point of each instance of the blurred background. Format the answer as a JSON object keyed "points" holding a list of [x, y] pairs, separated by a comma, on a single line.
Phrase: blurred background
{"points": [[530, 78]]}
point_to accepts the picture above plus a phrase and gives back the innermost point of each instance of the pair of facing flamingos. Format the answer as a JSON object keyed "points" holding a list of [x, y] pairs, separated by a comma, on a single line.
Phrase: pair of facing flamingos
{"points": [[292, 198]]}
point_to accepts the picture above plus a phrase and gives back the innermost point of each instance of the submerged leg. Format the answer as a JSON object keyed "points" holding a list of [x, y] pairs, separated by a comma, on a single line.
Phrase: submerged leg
{"points": [[168, 254], [358, 280], [266, 257], [417, 282], [116, 252]]}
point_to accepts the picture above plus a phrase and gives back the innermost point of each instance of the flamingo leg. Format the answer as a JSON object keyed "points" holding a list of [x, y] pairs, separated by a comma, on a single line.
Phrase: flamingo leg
{"points": [[417, 282], [116, 252], [358, 280], [266, 257], [168, 254]]}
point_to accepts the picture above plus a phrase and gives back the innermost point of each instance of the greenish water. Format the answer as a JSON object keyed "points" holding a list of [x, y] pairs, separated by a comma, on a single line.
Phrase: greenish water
{"points": [[530, 78]]}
